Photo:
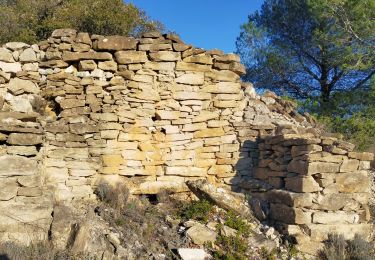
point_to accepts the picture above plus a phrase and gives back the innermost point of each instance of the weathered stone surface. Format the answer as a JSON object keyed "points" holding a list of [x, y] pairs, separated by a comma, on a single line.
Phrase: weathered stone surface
{"points": [[289, 215], [302, 184], [165, 56], [87, 65], [28, 55], [222, 198], [191, 79], [129, 57], [349, 166], [116, 43], [192, 254], [201, 234], [74, 56], [18, 86], [8, 188], [290, 198], [14, 165], [6, 55], [361, 156], [352, 182], [335, 217], [10, 67], [24, 139]]}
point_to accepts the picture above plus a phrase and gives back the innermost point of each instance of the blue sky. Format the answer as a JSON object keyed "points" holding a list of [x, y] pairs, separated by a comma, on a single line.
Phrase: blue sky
{"points": [[207, 24]]}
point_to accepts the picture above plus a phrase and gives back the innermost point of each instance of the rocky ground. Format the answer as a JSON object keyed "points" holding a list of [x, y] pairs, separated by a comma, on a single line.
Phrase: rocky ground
{"points": [[165, 226]]}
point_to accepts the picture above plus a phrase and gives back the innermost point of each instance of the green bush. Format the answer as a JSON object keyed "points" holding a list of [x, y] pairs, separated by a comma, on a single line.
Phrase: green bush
{"points": [[236, 222], [197, 210], [231, 248]]}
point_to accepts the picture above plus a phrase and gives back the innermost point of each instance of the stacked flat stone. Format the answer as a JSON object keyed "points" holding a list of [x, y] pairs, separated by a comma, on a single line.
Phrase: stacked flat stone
{"points": [[316, 185], [151, 111], [22, 197]]}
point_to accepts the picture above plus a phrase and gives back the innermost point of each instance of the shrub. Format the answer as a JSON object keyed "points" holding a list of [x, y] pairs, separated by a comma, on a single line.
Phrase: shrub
{"points": [[116, 196], [236, 222], [231, 248], [336, 248], [197, 210]]}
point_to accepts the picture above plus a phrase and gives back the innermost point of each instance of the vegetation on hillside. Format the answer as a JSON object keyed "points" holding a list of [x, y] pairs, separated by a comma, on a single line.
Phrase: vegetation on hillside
{"points": [[34, 20]]}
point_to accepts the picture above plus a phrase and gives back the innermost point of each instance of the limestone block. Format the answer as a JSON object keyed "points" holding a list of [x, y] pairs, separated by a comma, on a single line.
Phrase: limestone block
{"points": [[310, 168], [292, 199], [24, 139], [304, 184], [109, 134], [8, 188], [163, 66], [116, 43], [108, 65], [112, 159], [194, 127], [10, 67], [134, 155], [220, 170], [167, 115], [56, 175], [6, 55], [29, 191], [28, 55], [72, 103], [349, 165], [289, 215], [165, 56], [18, 86], [155, 187], [201, 234], [335, 217], [361, 156], [209, 132], [82, 128], [223, 88], [222, 75], [22, 150], [81, 173], [320, 232], [200, 59], [88, 65], [186, 66], [191, 79], [339, 201], [84, 191], [352, 182], [186, 171], [129, 57], [185, 95], [76, 56], [30, 181], [305, 149], [14, 165]]}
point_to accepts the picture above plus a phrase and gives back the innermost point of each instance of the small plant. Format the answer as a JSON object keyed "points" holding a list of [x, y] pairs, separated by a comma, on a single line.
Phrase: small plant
{"points": [[269, 255], [236, 222], [336, 248], [116, 196], [197, 210], [231, 248]]}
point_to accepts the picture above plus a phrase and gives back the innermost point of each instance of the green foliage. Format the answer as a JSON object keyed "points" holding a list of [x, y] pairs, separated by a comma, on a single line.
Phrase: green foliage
{"points": [[231, 248], [336, 248], [197, 210], [34, 20], [269, 255], [349, 113], [237, 223], [309, 48]]}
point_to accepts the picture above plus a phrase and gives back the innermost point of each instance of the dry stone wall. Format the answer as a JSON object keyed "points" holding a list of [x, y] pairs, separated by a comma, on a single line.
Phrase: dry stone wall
{"points": [[154, 112]]}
